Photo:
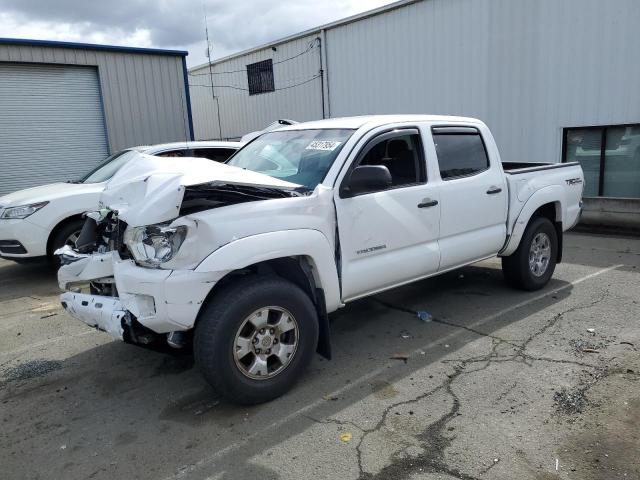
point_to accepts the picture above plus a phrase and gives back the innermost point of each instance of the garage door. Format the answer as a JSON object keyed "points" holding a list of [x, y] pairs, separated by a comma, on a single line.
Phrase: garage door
{"points": [[51, 124]]}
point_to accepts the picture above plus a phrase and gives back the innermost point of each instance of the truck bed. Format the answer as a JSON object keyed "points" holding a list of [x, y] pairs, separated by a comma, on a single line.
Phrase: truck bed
{"points": [[514, 168]]}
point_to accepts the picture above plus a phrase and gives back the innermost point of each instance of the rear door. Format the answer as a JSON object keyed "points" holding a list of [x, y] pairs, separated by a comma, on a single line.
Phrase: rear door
{"points": [[388, 236], [473, 194]]}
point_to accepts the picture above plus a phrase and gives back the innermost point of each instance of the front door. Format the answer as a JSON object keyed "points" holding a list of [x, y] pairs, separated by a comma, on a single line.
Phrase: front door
{"points": [[388, 236]]}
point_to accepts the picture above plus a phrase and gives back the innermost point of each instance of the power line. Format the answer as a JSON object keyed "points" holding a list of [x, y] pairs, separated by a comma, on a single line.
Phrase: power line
{"points": [[235, 87], [310, 47]]}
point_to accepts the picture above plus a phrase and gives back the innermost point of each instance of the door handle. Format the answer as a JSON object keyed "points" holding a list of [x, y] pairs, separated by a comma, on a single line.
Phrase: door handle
{"points": [[427, 202], [493, 190]]}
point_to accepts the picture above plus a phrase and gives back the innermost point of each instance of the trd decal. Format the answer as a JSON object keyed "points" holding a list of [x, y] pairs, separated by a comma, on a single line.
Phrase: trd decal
{"points": [[371, 249], [573, 181]]}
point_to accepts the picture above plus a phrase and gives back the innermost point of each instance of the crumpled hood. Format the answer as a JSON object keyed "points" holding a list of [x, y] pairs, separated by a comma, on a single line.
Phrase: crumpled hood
{"points": [[149, 189], [47, 193]]}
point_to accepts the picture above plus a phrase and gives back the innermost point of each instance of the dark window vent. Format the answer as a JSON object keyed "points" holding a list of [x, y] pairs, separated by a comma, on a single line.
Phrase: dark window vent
{"points": [[260, 77]]}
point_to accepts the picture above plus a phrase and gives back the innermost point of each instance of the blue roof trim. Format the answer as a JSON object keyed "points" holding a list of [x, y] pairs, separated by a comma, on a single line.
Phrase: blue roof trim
{"points": [[185, 76], [91, 46]]}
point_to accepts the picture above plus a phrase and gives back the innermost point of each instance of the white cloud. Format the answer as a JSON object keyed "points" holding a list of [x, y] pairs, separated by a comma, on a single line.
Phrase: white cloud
{"points": [[233, 25]]}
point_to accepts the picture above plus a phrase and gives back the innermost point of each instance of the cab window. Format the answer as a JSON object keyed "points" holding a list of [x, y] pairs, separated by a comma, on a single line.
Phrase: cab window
{"points": [[215, 154], [460, 151]]}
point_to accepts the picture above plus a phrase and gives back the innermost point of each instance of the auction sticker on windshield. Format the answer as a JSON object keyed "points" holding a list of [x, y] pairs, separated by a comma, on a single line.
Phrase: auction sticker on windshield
{"points": [[326, 145]]}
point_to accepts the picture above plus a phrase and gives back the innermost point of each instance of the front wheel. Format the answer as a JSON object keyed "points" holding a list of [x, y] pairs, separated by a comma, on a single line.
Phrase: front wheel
{"points": [[255, 338], [531, 266], [67, 234]]}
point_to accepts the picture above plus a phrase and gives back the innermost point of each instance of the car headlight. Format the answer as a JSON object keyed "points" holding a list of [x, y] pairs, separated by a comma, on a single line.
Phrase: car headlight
{"points": [[153, 245], [22, 211]]}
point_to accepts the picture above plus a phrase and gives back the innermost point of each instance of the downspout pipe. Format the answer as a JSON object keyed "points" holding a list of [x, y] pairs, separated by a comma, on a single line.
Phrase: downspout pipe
{"points": [[324, 74]]}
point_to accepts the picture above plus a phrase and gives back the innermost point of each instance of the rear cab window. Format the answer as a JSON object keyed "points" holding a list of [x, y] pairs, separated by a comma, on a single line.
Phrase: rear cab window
{"points": [[215, 154], [461, 152], [173, 153]]}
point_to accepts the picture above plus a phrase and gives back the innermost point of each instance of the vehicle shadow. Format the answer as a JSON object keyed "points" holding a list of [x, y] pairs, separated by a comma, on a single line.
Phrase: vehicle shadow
{"points": [[118, 399], [37, 277]]}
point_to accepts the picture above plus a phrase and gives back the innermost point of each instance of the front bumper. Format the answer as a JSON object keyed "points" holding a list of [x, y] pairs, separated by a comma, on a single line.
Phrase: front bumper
{"points": [[22, 239], [163, 301], [103, 313]]}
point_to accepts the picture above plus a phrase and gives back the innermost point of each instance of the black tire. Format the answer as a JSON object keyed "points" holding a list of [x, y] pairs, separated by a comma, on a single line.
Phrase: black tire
{"points": [[515, 267], [60, 238], [221, 319]]}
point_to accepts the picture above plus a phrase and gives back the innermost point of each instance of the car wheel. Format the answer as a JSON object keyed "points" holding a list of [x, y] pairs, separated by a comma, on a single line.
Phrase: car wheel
{"points": [[531, 266], [255, 338], [65, 235]]}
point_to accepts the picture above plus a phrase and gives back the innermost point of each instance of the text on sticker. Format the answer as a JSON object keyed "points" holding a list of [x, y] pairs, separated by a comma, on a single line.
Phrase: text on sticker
{"points": [[327, 145]]}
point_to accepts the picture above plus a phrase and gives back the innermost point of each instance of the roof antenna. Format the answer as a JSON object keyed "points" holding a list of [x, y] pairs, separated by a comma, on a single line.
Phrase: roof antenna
{"points": [[213, 95]]}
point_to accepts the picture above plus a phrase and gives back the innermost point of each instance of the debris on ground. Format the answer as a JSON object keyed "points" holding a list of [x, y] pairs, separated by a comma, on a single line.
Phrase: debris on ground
{"points": [[424, 316], [49, 315], [400, 356], [582, 346], [32, 369], [345, 437], [592, 331], [570, 402], [404, 334], [330, 398]]}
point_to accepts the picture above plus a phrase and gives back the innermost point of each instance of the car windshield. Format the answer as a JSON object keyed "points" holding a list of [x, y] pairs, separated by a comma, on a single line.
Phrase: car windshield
{"points": [[108, 168], [298, 156]]}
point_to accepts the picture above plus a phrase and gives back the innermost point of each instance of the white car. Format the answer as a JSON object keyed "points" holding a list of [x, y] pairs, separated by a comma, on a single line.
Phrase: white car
{"points": [[37, 221], [246, 259]]}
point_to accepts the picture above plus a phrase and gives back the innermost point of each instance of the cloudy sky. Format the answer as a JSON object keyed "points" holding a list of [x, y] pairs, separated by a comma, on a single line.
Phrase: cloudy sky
{"points": [[233, 24]]}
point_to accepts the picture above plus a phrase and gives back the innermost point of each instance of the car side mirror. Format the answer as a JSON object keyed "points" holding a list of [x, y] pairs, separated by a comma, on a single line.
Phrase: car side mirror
{"points": [[367, 178]]}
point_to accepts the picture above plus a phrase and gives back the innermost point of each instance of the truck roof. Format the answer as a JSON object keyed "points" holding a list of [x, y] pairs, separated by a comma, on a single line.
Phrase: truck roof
{"points": [[374, 120]]}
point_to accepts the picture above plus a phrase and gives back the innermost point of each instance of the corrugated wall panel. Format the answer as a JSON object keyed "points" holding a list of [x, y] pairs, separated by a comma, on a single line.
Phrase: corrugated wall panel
{"points": [[51, 125], [242, 113], [143, 94], [527, 69]]}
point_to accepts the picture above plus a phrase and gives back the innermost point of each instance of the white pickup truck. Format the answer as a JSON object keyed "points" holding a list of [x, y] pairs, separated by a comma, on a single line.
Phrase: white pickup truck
{"points": [[245, 260]]}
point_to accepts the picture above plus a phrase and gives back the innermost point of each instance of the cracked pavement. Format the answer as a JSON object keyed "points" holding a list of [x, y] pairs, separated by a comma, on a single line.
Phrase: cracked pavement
{"points": [[500, 384]]}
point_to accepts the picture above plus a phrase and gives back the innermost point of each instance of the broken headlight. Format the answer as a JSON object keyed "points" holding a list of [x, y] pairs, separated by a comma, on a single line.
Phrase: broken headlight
{"points": [[153, 245]]}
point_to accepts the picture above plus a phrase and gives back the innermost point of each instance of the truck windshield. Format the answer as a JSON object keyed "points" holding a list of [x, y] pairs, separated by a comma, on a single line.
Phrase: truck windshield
{"points": [[298, 156], [107, 168]]}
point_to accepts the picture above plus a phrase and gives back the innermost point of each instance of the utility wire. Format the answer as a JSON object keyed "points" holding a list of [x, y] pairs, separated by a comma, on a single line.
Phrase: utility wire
{"points": [[310, 47], [235, 87]]}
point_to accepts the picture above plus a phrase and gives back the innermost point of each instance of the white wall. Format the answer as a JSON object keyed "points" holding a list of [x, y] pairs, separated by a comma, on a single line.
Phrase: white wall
{"points": [[242, 113], [526, 67]]}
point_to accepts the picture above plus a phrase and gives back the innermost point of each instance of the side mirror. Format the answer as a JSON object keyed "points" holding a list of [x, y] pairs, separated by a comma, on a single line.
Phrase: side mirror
{"points": [[367, 178]]}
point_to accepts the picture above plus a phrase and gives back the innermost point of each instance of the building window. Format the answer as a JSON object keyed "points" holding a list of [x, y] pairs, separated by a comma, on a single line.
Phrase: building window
{"points": [[610, 158], [260, 77]]}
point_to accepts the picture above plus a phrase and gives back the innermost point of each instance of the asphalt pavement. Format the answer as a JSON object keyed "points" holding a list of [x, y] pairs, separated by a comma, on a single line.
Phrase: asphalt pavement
{"points": [[498, 384]]}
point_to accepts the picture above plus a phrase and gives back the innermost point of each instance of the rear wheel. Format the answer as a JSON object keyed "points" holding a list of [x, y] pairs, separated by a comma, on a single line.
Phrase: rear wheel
{"points": [[531, 266], [255, 338]]}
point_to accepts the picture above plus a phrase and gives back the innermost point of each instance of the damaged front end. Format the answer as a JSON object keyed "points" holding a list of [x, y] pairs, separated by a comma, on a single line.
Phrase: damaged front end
{"points": [[91, 293], [132, 272]]}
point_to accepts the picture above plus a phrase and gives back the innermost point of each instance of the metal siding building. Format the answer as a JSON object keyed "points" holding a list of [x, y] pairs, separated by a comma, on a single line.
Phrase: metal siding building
{"points": [[64, 107], [240, 112], [530, 69]]}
